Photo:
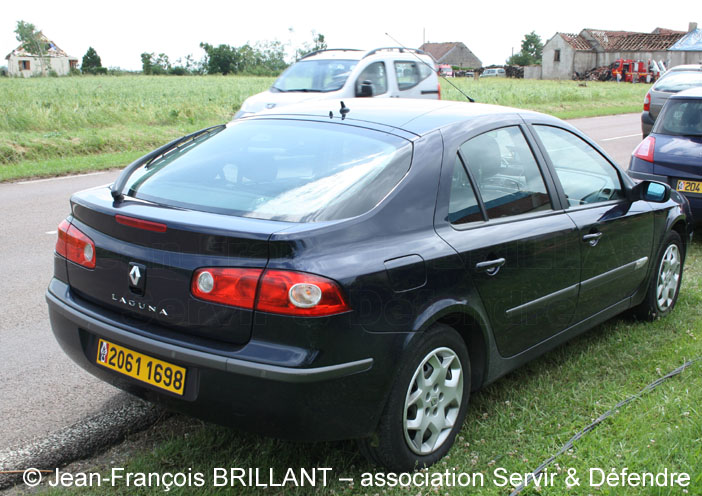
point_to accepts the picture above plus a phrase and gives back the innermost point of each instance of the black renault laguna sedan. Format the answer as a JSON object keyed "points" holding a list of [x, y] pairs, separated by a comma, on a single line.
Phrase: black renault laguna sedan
{"points": [[355, 270]]}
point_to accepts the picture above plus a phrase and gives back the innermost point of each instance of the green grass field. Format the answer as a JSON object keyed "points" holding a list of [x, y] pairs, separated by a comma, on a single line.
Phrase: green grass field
{"points": [[513, 424], [53, 126]]}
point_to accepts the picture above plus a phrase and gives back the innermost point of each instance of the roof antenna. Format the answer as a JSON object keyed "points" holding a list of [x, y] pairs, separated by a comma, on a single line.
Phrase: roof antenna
{"points": [[343, 111], [438, 73]]}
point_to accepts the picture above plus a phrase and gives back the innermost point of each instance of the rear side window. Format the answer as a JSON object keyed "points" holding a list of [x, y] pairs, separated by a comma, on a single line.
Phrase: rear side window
{"points": [[507, 175], [680, 118], [586, 176], [411, 73], [284, 170]]}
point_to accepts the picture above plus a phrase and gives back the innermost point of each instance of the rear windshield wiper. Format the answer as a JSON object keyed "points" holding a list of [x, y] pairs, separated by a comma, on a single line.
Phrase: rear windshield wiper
{"points": [[121, 181]]}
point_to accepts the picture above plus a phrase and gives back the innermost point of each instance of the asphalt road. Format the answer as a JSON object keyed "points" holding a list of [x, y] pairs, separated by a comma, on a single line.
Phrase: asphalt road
{"points": [[618, 135], [42, 392]]}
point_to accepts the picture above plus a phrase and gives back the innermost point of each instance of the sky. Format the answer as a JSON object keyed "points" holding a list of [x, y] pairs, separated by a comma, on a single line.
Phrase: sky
{"points": [[121, 31]]}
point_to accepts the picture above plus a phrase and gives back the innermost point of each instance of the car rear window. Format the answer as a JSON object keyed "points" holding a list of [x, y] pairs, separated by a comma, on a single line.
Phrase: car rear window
{"points": [[680, 118], [678, 81], [276, 169]]}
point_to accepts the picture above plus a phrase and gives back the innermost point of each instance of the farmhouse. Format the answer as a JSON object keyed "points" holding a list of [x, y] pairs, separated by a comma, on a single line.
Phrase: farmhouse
{"points": [[20, 62], [454, 53], [565, 53]]}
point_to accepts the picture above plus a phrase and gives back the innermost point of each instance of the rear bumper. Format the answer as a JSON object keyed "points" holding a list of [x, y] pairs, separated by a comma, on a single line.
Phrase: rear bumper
{"points": [[332, 402]]}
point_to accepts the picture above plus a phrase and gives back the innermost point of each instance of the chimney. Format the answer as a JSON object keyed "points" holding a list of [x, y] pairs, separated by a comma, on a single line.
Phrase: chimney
{"points": [[692, 27]]}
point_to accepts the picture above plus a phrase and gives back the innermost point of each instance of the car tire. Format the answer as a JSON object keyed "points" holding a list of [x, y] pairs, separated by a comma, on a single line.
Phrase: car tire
{"points": [[666, 276], [426, 407]]}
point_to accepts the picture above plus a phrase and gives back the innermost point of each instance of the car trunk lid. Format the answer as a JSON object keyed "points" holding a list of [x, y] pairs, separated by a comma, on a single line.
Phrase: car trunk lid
{"points": [[678, 156], [145, 272]]}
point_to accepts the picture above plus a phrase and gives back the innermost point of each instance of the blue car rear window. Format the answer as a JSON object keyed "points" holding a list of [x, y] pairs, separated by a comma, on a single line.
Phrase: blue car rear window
{"points": [[680, 118], [276, 169]]}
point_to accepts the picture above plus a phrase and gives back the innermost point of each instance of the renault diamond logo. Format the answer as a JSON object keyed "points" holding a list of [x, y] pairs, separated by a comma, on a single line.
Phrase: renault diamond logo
{"points": [[135, 275], [137, 278]]}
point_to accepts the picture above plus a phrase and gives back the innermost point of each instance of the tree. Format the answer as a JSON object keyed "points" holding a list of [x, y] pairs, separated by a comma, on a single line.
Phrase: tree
{"points": [[91, 62], [155, 64], [222, 59], [34, 42], [530, 52], [318, 43]]}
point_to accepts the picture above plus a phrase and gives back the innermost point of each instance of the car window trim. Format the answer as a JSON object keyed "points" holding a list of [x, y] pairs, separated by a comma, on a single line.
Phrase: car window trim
{"points": [[506, 220]]}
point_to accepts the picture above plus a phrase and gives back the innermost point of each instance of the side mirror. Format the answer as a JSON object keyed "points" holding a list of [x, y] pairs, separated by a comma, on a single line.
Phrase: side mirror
{"points": [[366, 89], [651, 191]]}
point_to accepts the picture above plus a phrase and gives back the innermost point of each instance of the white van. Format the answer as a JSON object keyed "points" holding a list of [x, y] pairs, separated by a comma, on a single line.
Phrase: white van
{"points": [[346, 73], [499, 72]]}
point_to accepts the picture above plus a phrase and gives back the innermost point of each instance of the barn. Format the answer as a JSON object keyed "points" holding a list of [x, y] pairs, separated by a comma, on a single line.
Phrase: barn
{"points": [[22, 63], [565, 54], [452, 53]]}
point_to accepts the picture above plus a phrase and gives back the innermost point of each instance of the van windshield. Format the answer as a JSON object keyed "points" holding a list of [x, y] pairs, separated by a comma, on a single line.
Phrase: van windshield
{"points": [[315, 75], [287, 170]]}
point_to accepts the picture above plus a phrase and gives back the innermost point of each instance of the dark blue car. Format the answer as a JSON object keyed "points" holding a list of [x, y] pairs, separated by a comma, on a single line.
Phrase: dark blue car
{"points": [[672, 153], [356, 271]]}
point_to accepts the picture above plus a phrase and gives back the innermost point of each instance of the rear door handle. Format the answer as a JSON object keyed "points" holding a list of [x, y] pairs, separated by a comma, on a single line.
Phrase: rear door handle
{"points": [[592, 239], [490, 267]]}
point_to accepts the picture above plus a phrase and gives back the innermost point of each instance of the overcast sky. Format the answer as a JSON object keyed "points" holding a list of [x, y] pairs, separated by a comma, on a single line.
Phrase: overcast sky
{"points": [[120, 31]]}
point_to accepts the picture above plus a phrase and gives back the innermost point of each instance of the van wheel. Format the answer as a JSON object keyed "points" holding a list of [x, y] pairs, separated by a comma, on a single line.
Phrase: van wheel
{"points": [[426, 406], [666, 277]]}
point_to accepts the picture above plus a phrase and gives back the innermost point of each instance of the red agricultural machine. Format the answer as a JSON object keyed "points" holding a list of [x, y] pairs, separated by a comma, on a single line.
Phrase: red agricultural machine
{"points": [[634, 71]]}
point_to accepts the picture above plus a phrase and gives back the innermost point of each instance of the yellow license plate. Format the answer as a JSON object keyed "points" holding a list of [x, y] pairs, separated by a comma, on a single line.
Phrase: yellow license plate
{"points": [[689, 186], [144, 368]]}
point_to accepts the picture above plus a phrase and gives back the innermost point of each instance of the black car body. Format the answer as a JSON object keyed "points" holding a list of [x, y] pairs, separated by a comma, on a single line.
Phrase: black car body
{"points": [[485, 279], [672, 153]]}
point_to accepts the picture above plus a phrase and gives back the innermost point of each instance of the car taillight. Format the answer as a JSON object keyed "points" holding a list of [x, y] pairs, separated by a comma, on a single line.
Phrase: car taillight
{"points": [[274, 291], [645, 149], [647, 102], [299, 293], [75, 246], [234, 287]]}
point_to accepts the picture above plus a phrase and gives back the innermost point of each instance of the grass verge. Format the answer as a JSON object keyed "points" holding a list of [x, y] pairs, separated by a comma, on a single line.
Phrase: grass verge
{"points": [[513, 424], [46, 124]]}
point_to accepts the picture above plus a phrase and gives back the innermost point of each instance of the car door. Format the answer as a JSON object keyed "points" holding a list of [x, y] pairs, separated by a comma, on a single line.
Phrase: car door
{"points": [[616, 234], [519, 249]]}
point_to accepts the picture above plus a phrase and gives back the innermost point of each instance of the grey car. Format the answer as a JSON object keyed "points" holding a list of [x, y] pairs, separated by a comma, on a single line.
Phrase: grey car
{"points": [[678, 78]]}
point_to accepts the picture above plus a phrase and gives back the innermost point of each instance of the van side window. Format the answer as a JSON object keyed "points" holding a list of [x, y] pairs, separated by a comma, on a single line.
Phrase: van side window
{"points": [[376, 74], [410, 74]]}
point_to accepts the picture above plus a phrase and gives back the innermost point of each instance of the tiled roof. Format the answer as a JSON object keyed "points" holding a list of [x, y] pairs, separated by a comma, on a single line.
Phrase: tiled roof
{"points": [[618, 41], [51, 51], [438, 50], [666, 31], [576, 41]]}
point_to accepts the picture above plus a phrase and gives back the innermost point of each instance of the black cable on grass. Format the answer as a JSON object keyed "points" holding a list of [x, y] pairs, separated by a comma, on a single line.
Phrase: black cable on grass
{"points": [[599, 420]]}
